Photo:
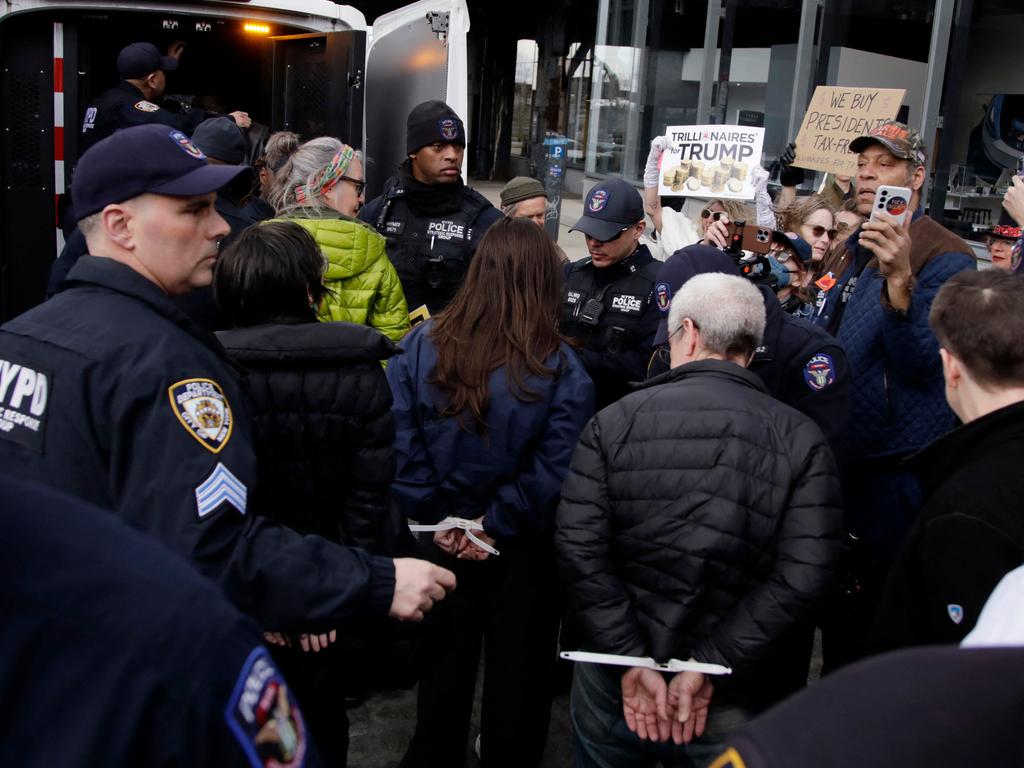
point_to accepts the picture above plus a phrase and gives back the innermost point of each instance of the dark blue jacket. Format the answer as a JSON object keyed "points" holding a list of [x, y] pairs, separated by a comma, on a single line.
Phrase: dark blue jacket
{"points": [[115, 652], [512, 477], [898, 401], [110, 392]]}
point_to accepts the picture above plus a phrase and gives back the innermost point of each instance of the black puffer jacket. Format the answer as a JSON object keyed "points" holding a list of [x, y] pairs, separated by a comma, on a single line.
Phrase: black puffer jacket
{"points": [[324, 433], [701, 517]]}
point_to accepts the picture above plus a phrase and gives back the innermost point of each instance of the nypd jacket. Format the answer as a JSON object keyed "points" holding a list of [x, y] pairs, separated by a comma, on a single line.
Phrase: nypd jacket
{"points": [[123, 106], [513, 476], [111, 393], [701, 517], [617, 343], [363, 286], [115, 652], [898, 401], [430, 247], [799, 364], [967, 536]]}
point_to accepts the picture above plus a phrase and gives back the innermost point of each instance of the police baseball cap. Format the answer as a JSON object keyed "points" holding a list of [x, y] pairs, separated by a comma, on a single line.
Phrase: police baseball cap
{"points": [[796, 244], [905, 143], [609, 208], [221, 139], [139, 59], [678, 268], [144, 158]]}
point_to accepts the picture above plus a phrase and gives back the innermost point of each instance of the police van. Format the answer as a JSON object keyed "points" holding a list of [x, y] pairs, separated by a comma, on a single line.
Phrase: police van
{"points": [[310, 66]]}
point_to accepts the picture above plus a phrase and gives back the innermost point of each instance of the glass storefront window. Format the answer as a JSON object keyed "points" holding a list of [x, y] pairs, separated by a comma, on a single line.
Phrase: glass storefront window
{"points": [[525, 87]]}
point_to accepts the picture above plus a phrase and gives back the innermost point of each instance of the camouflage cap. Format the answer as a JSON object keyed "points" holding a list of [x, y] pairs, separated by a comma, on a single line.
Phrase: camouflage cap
{"points": [[905, 143]]}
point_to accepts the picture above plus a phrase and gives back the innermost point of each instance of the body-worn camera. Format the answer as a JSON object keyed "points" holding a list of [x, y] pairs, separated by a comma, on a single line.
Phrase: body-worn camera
{"points": [[591, 312]]}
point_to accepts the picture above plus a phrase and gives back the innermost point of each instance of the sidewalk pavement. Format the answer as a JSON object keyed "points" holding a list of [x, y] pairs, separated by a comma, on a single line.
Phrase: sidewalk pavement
{"points": [[572, 209]]}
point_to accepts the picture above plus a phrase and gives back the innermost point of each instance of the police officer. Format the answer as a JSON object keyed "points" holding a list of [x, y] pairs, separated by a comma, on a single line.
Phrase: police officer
{"points": [[609, 298], [799, 363], [137, 99], [112, 393], [431, 220], [116, 652]]}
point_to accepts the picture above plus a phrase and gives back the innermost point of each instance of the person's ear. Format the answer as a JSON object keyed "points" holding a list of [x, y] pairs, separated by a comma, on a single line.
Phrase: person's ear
{"points": [[691, 337], [116, 222], [951, 368], [917, 178]]}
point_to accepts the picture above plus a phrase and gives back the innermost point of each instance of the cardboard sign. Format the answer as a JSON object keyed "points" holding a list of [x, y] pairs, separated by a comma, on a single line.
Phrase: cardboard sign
{"points": [[836, 116], [710, 161]]}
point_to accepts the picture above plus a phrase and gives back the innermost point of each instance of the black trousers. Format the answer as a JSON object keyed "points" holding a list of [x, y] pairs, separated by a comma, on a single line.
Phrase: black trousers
{"points": [[507, 605]]}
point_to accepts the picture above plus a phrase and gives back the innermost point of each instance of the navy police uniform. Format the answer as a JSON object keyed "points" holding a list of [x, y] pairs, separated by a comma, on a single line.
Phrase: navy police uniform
{"points": [[123, 106], [799, 363], [114, 652], [612, 311], [432, 230], [111, 392], [431, 252]]}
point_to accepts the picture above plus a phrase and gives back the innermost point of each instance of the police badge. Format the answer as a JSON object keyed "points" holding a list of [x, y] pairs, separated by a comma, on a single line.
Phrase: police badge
{"points": [[203, 411]]}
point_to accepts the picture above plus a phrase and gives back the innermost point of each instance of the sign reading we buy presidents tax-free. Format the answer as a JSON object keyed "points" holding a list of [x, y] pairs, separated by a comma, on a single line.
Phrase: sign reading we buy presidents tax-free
{"points": [[836, 116]]}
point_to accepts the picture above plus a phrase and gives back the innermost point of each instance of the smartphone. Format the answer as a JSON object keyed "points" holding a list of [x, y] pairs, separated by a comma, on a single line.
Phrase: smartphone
{"points": [[1020, 166], [894, 201], [748, 237]]}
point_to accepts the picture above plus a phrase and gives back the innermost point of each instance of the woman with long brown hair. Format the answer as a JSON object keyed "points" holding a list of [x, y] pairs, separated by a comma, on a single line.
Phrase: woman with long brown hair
{"points": [[489, 403]]}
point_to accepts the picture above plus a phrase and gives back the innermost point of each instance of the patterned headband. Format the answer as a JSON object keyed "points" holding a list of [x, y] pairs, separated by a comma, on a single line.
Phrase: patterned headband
{"points": [[326, 177]]}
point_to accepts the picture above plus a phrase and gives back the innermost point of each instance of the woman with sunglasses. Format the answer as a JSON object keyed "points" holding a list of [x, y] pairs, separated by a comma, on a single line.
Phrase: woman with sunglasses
{"points": [[321, 187], [813, 219], [793, 271]]}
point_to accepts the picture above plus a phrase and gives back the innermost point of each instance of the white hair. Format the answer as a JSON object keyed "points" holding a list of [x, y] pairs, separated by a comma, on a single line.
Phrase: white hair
{"points": [[728, 310]]}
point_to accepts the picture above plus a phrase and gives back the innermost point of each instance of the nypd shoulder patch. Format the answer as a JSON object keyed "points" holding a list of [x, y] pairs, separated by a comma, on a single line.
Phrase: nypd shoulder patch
{"points": [[221, 486], [956, 613], [264, 716], [146, 106], [203, 411], [820, 372], [663, 295]]}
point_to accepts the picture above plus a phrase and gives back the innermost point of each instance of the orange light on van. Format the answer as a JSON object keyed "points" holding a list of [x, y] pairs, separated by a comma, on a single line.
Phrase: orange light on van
{"points": [[427, 57], [256, 29]]}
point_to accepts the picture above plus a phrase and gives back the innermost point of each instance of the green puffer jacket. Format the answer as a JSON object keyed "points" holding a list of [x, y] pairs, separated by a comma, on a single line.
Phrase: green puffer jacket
{"points": [[364, 287]]}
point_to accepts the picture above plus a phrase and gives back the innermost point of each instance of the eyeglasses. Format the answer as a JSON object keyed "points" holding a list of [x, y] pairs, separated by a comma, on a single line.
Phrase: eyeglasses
{"points": [[359, 185], [819, 230], [842, 228]]}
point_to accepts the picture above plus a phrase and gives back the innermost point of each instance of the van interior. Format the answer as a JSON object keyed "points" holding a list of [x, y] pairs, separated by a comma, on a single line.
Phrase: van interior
{"points": [[283, 76]]}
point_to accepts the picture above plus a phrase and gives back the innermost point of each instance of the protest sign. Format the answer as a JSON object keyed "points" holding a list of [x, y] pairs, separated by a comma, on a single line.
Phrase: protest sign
{"points": [[836, 116], [710, 161]]}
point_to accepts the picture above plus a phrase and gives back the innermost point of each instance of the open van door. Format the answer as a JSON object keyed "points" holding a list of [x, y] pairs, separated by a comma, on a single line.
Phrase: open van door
{"points": [[417, 53], [317, 85]]}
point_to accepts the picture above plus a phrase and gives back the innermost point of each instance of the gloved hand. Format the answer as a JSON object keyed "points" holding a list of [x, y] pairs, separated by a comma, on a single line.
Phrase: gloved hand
{"points": [[658, 145], [788, 175], [759, 178]]}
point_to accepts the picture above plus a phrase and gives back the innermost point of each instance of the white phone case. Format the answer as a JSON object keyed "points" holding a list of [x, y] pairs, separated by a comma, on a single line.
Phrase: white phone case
{"points": [[894, 201]]}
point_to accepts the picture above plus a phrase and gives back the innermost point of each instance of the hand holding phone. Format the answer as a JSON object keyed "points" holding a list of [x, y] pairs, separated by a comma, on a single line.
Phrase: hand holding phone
{"points": [[892, 201]]}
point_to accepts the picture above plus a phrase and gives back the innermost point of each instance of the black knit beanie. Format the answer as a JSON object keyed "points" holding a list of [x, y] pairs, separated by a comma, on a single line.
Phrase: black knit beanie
{"points": [[432, 122]]}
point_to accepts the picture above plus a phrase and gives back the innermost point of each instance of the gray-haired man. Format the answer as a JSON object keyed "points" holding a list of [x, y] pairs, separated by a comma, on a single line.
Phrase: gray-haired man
{"points": [[701, 520]]}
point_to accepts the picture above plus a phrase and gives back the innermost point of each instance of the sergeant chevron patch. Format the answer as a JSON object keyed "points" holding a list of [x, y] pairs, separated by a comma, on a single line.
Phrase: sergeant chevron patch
{"points": [[219, 487]]}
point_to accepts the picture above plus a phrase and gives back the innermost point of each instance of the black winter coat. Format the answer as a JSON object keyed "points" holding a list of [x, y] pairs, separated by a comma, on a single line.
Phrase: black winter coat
{"points": [[324, 432], [701, 517], [967, 536]]}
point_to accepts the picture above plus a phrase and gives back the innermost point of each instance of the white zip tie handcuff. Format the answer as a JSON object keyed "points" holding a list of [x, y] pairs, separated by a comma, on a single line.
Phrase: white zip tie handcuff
{"points": [[450, 523], [672, 665]]}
